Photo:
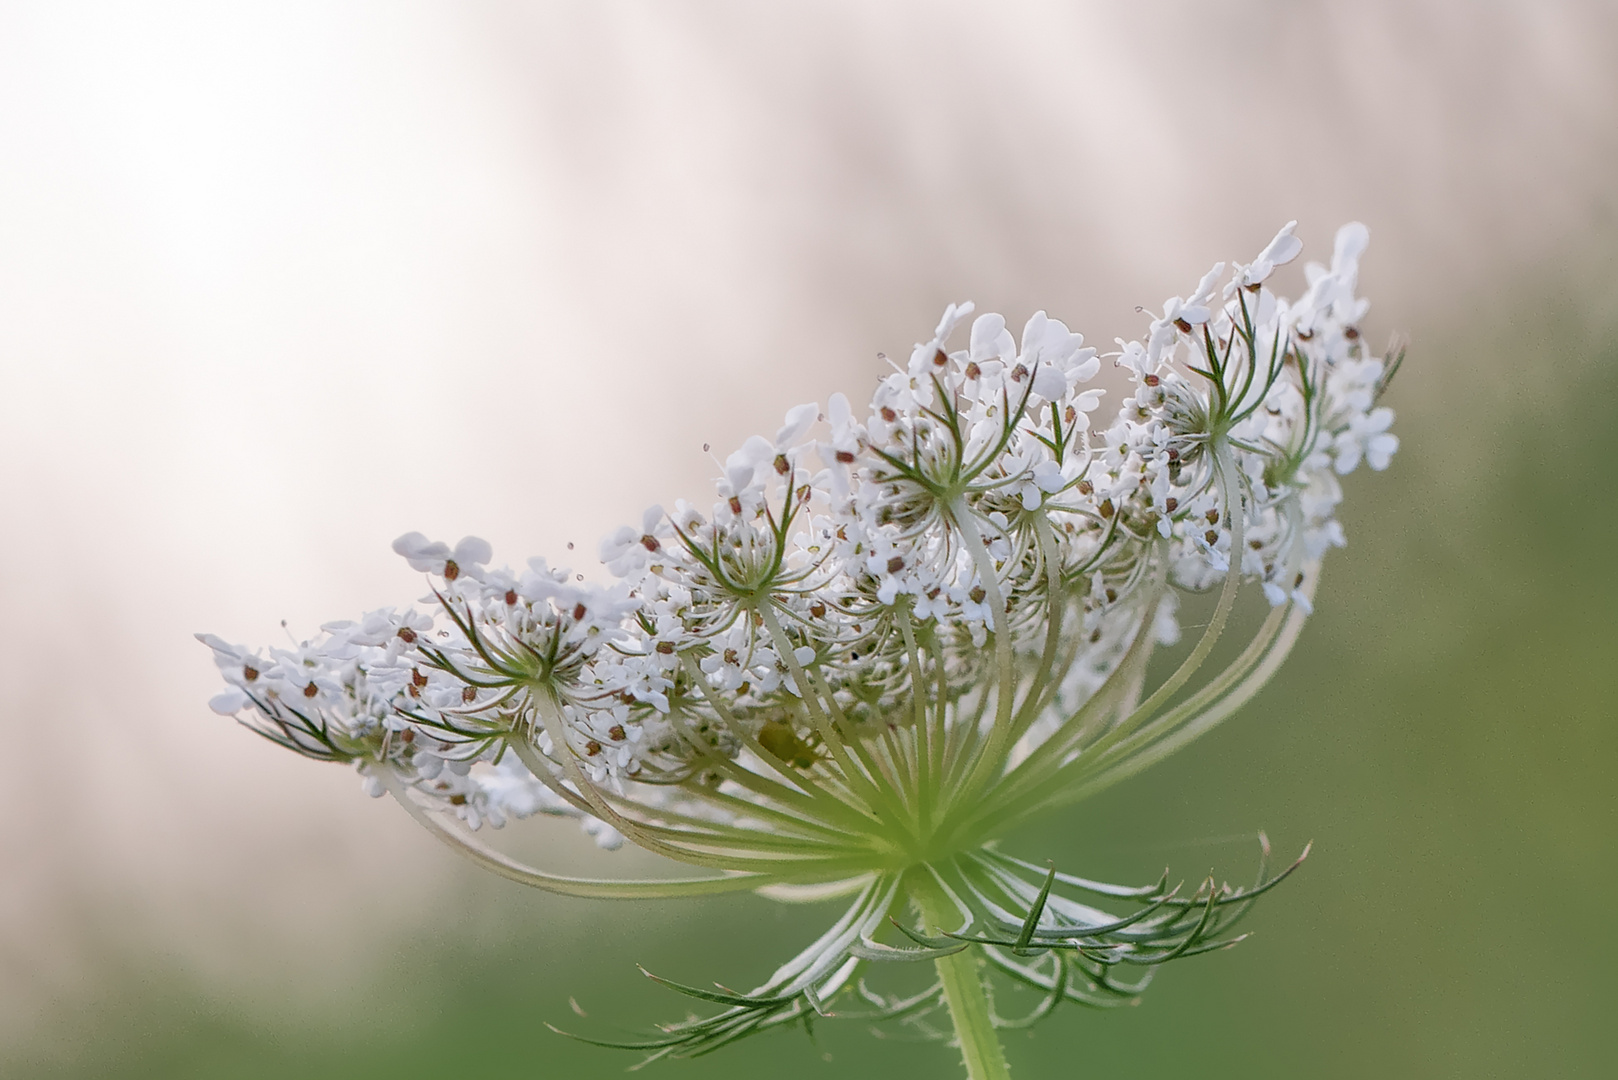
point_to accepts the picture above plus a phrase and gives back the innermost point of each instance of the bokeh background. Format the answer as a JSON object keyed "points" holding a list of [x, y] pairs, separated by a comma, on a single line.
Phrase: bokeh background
{"points": [[281, 281]]}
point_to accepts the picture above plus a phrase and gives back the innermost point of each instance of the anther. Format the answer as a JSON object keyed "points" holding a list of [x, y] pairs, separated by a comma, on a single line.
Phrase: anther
{"points": [[406, 635], [1171, 504], [616, 733], [845, 457], [1151, 380], [578, 612], [451, 571], [888, 414], [977, 594], [895, 565], [1212, 536], [469, 694], [782, 465], [592, 748], [1184, 327], [249, 672], [817, 609], [1213, 516], [972, 369], [649, 542], [939, 359], [1106, 508], [665, 648], [511, 598], [311, 690], [416, 679]]}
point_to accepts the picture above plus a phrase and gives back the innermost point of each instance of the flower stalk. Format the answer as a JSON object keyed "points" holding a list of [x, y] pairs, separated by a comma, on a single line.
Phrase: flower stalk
{"points": [[964, 991], [892, 640]]}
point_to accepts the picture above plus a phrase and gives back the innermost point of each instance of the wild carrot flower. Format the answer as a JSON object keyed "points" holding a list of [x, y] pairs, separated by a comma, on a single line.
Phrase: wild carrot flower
{"points": [[889, 641]]}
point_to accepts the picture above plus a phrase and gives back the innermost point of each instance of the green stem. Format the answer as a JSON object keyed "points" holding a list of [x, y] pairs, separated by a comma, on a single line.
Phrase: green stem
{"points": [[964, 991]]}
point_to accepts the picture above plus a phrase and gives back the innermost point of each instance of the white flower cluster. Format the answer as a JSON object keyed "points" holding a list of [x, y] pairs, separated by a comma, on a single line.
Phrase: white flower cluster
{"points": [[880, 613]]}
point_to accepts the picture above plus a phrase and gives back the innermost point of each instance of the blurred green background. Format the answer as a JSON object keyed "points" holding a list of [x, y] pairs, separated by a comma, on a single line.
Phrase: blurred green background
{"points": [[241, 253]]}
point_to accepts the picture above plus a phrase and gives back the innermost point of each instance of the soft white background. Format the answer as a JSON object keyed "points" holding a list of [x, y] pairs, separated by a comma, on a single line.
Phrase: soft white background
{"points": [[279, 282]]}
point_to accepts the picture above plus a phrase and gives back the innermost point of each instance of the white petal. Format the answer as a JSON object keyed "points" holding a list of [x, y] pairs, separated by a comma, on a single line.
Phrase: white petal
{"points": [[756, 451], [1284, 248], [1350, 245], [990, 338], [228, 702], [1033, 334], [1206, 287], [417, 548], [738, 474], [1049, 382], [798, 420], [1048, 477], [952, 315], [1379, 451], [473, 549]]}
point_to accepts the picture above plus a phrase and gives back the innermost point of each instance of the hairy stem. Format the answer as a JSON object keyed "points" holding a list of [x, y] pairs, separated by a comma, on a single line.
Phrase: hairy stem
{"points": [[964, 991]]}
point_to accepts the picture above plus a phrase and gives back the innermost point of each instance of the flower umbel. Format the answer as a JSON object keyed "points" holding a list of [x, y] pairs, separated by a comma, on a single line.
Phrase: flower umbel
{"points": [[889, 642]]}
